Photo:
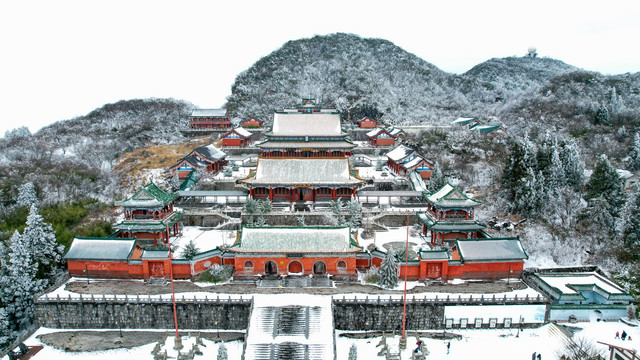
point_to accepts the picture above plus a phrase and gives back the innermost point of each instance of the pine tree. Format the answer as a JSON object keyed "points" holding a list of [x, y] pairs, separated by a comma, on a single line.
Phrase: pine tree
{"points": [[353, 352], [18, 284], [264, 206], [632, 311], [521, 162], [222, 352], [437, 180], [5, 330], [602, 116], [633, 161], [27, 195], [606, 182], [260, 221], [631, 235], [354, 207], [573, 165], [597, 215], [556, 176], [228, 171], [300, 220], [40, 240], [190, 250], [250, 206], [388, 272], [336, 206], [528, 197]]}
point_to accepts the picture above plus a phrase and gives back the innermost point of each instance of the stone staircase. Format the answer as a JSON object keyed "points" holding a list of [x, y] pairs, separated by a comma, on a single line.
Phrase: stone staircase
{"points": [[290, 327]]}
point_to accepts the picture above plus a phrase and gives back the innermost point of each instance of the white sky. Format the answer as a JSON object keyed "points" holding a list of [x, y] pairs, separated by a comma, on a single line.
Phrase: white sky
{"points": [[61, 59]]}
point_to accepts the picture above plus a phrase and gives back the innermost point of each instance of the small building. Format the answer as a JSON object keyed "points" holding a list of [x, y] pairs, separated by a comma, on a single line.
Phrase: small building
{"points": [[295, 251], [382, 137], [209, 119], [203, 159], [403, 159], [488, 129], [450, 215], [580, 294], [367, 122], [149, 216], [631, 180], [238, 137], [304, 179], [466, 121], [251, 123], [491, 258]]}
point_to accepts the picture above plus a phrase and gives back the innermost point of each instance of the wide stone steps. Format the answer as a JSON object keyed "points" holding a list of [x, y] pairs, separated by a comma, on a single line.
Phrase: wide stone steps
{"points": [[292, 330]]}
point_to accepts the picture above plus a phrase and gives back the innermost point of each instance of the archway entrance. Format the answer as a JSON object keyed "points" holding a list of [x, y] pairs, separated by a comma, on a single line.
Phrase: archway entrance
{"points": [[270, 268], [295, 267], [319, 268]]}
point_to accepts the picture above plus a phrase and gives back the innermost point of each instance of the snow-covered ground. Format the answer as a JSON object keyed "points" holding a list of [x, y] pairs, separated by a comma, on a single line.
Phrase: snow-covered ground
{"points": [[209, 351], [498, 344], [394, 235], [204, 239]]}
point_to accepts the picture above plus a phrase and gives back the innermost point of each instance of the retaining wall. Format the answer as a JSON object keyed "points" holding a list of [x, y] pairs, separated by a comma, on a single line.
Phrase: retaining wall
{"points": [[142, 312]]}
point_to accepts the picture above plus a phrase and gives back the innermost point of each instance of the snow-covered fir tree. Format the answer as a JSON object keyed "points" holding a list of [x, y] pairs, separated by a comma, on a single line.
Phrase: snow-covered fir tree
{"points": [[633, 160], [301, 221], [606, 182], [222, 352], [520, 169], [632, 311], [27, 195], [353, 352], [250, 206], [602, 116], [597, 216], [5, 330], [437, 180], [631, 235], [388, 272], [228, 171], [572, 164], [190, 250], [555, 177], [354, 206], [529, 193], [260, 221], [336, 206], [18, 284], [40, 240], [264, 206]]}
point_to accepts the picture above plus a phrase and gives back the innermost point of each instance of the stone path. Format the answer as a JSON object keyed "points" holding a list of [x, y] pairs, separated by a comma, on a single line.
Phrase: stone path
{"points": [[301, 327]]}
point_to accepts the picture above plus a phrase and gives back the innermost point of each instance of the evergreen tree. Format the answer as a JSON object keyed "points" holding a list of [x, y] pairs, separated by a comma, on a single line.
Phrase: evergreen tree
{"points": [[556, 176], [190, 250], [544, 155], [520, 164], [222, 352], [353, 352], [388, 272], [573, 165], [632, 311], [529, 193], [250, 206], [437, 180], [228, 171], [18, 284], [300, 220], [336, 206], [606, 182], [264, 206], [597, 215], [354, 206], [602, 116], [5, 330], [260, 221], [27, 195], [631, 235], [633, 161], [40, 240]]}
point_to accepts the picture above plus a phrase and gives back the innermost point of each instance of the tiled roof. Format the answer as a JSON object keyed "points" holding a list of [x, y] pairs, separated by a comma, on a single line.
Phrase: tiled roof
{"points": [[450, 196], [306, 124], [449, 225], [106, 249], [208, 112], [148, 225], [284, 171], [296, 240], [148, 196], [462, 121], [399, 153], [433, 255], [210, 152], [339, 144], [492, 249]]}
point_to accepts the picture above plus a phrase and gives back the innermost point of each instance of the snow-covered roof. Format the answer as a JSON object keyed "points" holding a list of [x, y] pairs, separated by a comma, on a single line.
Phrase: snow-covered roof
{"points": [[107, 249], [417, 182], [449, 225], [148, 196], [340, 144], [242, 132], [462, 121], [450, 196], [307, 124], [394, 131], [374, 132], [283, 171], [208, 112], [414, 162], [491, 249], [298, 240], [155, 254], [625, 174], [565, 281], [399, 153], [210, 152], [434, 255]]}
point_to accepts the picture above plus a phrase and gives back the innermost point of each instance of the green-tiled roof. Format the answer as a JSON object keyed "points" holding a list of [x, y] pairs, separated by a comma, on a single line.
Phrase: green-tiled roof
{"points": [[492, 249], [149, 225], [100, 249], [433, 255], [450, 197], [148, 196], [296, 240], [449, 225]]}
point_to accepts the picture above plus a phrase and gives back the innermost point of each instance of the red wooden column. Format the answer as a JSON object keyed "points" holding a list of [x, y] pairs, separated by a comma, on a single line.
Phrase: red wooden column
{"points": [[333, 194], [251, 192], [353, 193], [291, 195], [271, 194]]}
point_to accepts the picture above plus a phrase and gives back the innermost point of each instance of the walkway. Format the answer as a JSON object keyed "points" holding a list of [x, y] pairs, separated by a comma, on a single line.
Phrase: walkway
{"points": [[290, 327]]}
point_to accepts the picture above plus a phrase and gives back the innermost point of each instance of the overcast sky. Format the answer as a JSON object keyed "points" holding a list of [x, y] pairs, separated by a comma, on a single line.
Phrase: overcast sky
{"points": [[61, 59]]}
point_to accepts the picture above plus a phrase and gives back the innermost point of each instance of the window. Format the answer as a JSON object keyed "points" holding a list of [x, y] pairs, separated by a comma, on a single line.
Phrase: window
{"points": [[248, 265], [463, 323], [507, 322], [492, 323], [341, 265], [478, 323], [448, 323]]}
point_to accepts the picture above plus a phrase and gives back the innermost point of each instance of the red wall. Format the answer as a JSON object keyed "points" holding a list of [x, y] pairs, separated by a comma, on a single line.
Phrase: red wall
{"points": [[494, 270], [234, 142], [99, 269], [283, 265], [251, 123], [383, 142], [367, 124]]}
